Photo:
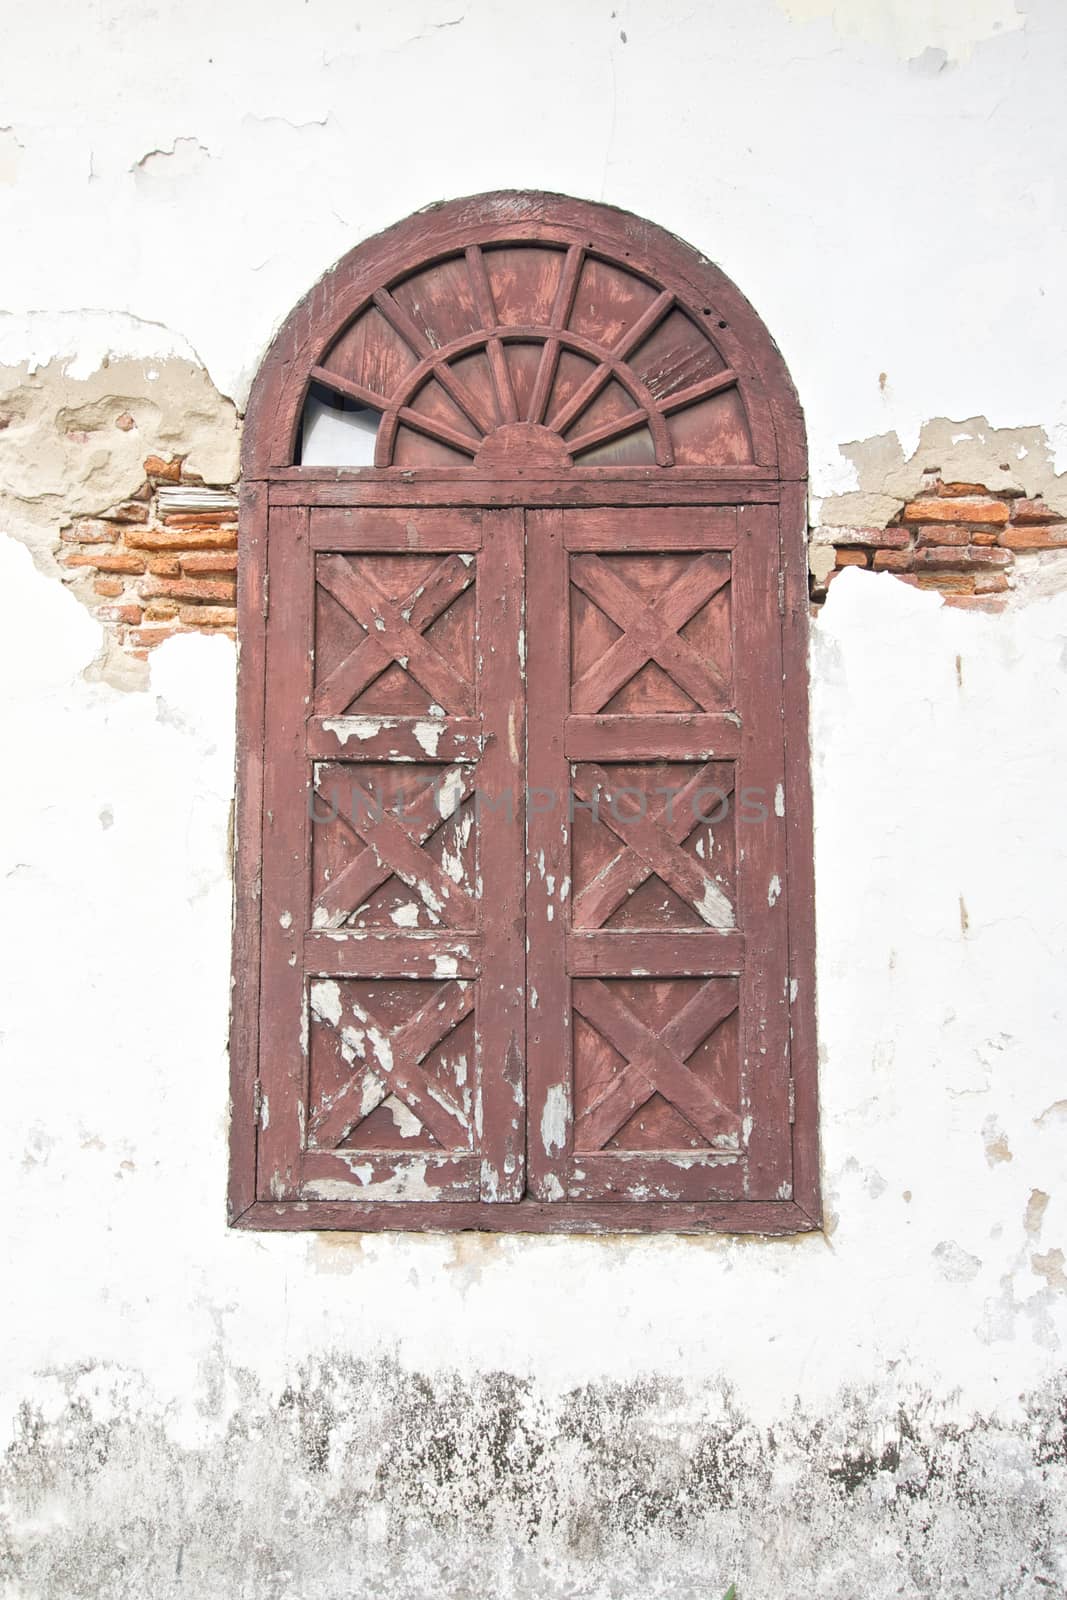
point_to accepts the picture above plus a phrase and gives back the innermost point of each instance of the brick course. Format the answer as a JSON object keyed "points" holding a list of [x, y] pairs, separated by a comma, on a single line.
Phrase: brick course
{"points": [[156, 571], [958, 538]]}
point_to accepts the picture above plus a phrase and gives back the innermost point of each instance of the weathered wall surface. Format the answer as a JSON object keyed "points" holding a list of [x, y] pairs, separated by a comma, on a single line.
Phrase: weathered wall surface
{"points": [[880, 1410]]}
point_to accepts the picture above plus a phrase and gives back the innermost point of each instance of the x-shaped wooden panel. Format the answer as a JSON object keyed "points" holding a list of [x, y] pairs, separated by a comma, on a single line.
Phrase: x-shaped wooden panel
{"points": [[393, 846], [655, 847], [650, 632], [393, 631], [655, 1061], [628, 870], [394, 1057]]}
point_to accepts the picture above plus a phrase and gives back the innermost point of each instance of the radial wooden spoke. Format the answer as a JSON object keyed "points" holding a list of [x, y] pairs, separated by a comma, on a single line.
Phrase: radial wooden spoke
{"points": [[626, 872], [698, 391], [498, 366], [606, 431], [627, 342], [350, 390], [378, 615], [654, 1064], [439, 430], [401, 323], [582, 397], [616, 809], [649, 319], [561, 312], [370, 658], [417, 341]]}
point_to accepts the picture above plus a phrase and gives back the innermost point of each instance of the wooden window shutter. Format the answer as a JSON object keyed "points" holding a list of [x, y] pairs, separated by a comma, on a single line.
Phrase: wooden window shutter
{"points": [[523, 933]]}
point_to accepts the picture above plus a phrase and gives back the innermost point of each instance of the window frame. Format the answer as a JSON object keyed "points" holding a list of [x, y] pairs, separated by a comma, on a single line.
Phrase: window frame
{"points": [[271, 481]]}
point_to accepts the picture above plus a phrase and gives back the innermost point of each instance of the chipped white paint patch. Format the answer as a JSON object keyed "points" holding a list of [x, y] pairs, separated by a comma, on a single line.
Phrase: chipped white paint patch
{"points": [[554, 1116], [450, 791], [406, 916], [715, 908], [405, 1121], [779, 801], [428, 736], [774, 889], [361, 728], [326, 1000]]}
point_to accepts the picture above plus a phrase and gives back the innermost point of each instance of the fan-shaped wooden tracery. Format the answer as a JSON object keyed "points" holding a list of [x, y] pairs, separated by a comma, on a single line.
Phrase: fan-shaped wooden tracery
{"points": [[546, 349]]}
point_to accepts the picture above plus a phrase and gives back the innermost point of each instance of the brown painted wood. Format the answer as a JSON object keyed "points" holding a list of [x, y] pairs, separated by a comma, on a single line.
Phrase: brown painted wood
{"points": [[248, 844], [585, 436], [623, 486], [642, 1059], [773, 1218], [373, 279], [394, 1003]]}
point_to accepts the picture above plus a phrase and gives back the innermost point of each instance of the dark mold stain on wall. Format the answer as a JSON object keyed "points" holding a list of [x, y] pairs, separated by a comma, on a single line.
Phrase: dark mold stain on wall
{"points": [[362, 1479]]}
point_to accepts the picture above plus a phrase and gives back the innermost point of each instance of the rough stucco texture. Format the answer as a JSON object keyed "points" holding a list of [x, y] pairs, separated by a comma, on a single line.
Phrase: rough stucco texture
{"points": [[876, 1411]]}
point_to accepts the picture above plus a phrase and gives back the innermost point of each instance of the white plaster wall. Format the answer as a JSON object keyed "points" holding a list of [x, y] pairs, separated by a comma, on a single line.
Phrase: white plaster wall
{"points": [[187, 1408], [873, 174]]}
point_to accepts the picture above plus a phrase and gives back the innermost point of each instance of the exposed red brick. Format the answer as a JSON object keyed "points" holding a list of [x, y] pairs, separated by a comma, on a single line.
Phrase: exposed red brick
{"points": [[1033, 511], [196, 519], [129, 511], [976, 602], [893, 560], [117, 561], [164, 566], [942, 533], [982, 511], [873, 538], [1024, 538], [126, 614], [852, 558], [991, 582], [947, 582], [88, 530], [208, 616], [956, 489], [210, 561], [112, 560], [962, 555], [188, 588], [160, 610], [196, 537], [111, 588], [147, 637], [164, 471]]}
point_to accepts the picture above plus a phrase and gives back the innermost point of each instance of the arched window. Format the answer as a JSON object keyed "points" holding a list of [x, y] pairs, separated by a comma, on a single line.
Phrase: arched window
{"points": [[524, 899]]}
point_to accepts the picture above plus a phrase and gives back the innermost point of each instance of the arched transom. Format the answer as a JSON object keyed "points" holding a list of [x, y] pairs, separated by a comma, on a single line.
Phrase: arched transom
{"points": [[551, 352]]}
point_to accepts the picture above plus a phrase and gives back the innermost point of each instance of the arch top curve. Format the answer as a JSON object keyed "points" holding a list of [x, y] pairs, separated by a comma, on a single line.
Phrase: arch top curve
{"points": [[532, 332]]}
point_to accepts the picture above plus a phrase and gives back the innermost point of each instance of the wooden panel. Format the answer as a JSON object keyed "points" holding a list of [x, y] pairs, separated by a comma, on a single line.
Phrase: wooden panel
{"points": [[666, 736], [774, 1217], [393, 874], [657, 1022]]}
